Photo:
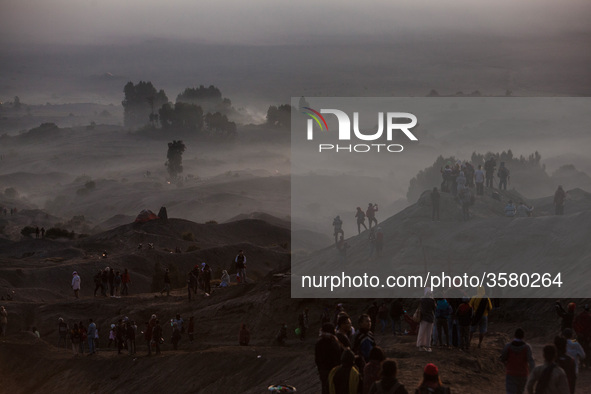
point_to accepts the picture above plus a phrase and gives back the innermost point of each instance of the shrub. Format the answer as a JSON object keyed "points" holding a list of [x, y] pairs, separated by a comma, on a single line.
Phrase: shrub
{"points": [[211, 222], [193, 248], [54, 233], [27, 231], [188, 236]]}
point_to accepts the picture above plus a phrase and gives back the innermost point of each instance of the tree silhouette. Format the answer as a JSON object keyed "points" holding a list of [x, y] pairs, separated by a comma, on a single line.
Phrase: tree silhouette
{"points": [[181, 116], [175, 158], [279, 116], [219, 125], [139, 103]]}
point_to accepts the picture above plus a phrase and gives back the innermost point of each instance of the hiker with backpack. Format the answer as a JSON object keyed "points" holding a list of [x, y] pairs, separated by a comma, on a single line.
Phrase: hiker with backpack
{"points": [[360, 215], [519, 362], [548, 378], [431, 383], [240, 261], [443, 313], [504, 176], [481, 305], [388, 383]]}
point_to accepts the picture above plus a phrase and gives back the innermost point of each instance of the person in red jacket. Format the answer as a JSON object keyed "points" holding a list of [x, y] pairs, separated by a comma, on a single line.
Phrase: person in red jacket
{"points": [[126, 281], [519, 362]]}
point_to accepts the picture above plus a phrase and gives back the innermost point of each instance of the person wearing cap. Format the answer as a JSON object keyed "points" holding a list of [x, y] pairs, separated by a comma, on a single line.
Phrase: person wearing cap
{"points": [[431, 383], [552, 377], [519, 362], [75, 283], [345, 378], [3, 321], [327, 354], [582, 326]]}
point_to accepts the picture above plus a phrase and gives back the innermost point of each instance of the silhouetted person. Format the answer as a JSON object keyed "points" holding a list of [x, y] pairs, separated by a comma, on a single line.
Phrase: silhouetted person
{"points": [[360, 215], [559, 198], [504, 176]]}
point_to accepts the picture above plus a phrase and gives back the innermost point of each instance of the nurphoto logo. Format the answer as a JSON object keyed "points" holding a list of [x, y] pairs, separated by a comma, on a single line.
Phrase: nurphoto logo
{"points": [[395, 122]]}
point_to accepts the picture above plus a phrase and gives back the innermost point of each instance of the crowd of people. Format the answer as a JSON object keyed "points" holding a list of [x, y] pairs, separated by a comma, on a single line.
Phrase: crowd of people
{"points": [[349, 360]]}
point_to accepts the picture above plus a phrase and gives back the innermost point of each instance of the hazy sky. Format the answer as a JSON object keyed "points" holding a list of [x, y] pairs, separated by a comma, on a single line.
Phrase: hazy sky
{"points": [[278, 21]]}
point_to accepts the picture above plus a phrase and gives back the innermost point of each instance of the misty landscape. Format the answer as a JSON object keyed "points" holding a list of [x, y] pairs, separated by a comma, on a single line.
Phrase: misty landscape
{"points": [[111, 110]]}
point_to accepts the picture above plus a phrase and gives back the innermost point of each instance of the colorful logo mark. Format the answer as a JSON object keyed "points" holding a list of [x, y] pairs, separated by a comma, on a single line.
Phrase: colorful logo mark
{"points": [[315, 115]]}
